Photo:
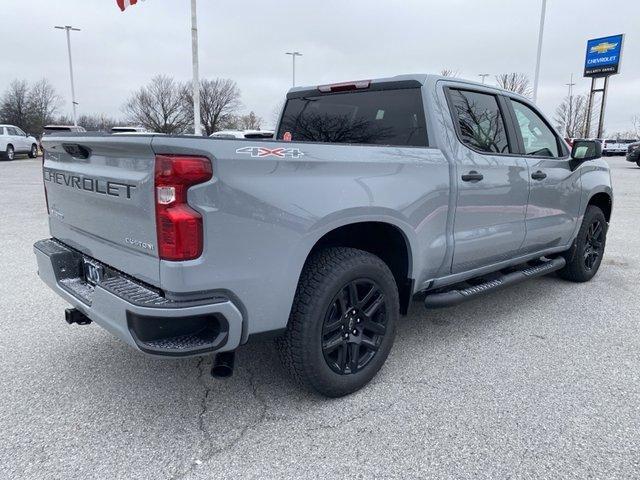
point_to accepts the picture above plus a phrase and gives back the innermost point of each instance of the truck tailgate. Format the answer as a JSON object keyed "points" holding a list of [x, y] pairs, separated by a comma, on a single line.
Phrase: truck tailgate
{"points": [[100, 193]]}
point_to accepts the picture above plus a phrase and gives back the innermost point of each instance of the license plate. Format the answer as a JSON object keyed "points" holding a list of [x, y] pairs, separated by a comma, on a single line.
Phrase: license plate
{"points": [[93, 272]]}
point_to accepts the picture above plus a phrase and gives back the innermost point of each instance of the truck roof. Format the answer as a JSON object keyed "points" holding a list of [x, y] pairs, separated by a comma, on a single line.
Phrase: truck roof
{"points": [[421, 78]]}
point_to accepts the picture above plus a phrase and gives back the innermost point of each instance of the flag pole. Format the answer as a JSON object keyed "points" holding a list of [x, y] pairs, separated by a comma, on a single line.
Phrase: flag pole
{"points": [[196, 80]]}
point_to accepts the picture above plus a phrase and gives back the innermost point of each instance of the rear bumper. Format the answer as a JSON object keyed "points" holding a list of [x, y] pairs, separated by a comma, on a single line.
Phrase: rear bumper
{"points": [[137, 313]]}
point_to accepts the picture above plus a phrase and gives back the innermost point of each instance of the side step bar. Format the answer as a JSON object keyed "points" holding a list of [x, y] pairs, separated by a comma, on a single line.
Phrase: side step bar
{"points": [[453, 297]]}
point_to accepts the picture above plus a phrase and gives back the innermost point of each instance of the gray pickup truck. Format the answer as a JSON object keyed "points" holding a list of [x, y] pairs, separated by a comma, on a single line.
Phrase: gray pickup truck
{"points": [[371, 192]]}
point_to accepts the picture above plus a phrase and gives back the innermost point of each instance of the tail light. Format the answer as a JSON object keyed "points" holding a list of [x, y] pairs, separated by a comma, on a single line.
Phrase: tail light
{"points": [[179, 227]]}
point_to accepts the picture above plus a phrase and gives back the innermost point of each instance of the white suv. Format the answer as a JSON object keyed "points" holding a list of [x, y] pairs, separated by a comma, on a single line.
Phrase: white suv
{"points": [[13, 140]]}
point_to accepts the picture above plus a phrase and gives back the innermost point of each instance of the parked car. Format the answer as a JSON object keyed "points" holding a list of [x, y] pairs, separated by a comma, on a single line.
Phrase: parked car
{"points": [[48, 129], [371, 193], [232, 134], [616, 147], [131, 129], [15, 141], [633, 153]]}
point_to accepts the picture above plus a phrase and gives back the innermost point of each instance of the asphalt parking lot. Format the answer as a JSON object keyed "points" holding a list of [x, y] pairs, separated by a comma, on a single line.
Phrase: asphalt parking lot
{"points": [[539, 381]]}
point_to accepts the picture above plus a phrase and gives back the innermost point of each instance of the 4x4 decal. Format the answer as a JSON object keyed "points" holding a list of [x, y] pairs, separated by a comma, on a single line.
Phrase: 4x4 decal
{"points": [[271, 152]]}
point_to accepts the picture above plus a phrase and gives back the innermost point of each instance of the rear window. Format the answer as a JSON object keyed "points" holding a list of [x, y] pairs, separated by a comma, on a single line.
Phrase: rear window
{"points": [[379, 117], [480, 121]]}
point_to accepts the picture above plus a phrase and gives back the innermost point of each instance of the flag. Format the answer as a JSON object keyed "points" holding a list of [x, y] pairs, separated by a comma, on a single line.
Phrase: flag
{"points": [[123, 4]]}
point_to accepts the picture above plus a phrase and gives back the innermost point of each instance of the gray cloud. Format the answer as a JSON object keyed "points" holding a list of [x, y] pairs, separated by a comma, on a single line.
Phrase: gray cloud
{"points": [[341, 40]]}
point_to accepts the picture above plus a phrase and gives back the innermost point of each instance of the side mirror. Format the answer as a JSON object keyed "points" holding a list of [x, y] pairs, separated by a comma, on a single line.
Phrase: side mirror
{"points": [[583, 150]]}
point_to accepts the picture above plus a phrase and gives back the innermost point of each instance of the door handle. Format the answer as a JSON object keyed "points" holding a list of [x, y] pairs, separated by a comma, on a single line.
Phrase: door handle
{"points": [[472, 176], [539, 175]]}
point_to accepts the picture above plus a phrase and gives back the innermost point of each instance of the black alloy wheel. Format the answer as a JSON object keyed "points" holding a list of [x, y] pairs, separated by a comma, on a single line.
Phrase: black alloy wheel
{"points": [[354, 326], [594, 244]]}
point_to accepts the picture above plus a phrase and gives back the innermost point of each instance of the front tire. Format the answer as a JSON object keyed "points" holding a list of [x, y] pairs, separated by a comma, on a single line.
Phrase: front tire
{"points": [[10, 153], [33, 153], [586, 255], [638, 163], [342, 323]]}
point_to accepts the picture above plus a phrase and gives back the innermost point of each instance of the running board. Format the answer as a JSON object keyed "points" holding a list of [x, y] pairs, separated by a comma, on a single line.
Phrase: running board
{"points": [[453, 297]]}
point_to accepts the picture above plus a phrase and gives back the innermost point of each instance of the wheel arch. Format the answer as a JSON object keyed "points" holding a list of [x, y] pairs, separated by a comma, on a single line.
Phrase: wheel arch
{"points": [[384, 239], [604, 202]]}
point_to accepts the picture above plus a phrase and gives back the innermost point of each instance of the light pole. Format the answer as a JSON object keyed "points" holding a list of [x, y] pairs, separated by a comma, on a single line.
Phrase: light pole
{"points": [[293, 56], [483, 76], [540, 33], [197, 128], [69, 29]]}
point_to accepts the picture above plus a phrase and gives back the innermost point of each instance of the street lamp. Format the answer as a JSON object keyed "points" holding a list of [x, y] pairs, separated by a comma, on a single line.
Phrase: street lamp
{"points": [[293, 56], [540, 32], [69, 29], [483, 76]]}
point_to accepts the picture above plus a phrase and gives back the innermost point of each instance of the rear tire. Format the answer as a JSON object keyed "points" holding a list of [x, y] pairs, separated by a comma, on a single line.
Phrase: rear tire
{"points": [[585, 256], [638, 163], [342, 323], [33, 153]]}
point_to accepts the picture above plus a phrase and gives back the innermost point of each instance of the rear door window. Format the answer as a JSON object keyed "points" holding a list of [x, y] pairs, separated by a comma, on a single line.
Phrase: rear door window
{"points": [[379, 117], [480, 122]]}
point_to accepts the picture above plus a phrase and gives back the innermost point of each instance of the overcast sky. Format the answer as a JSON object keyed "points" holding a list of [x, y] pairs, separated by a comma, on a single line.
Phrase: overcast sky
{"points": [[341, 40]]}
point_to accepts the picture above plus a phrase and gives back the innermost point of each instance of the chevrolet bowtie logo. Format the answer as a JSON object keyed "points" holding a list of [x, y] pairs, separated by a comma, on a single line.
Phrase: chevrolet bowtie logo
{"points": [[603, 47]]}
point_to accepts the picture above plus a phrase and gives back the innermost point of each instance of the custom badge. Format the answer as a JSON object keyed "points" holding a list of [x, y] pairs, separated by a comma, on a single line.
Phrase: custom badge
{"points": [[262, 152]]}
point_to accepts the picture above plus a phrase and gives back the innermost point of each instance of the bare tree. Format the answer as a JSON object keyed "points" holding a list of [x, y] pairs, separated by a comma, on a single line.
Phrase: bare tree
{"points": [[64, 120], [219, 102], [42, 104], [250, 121], [159, 106], [14, 106], [571, 116], [277, 112], [448, 72], [515, 82], [97, 122], [635, 126]]}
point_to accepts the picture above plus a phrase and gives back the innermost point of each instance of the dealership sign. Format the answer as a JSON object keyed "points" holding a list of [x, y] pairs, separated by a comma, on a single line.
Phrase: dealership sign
{"points": [[603, 56]]}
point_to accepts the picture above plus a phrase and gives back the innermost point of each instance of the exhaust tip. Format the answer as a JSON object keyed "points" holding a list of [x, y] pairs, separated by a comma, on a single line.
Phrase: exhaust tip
{"points": [[223, 365]]}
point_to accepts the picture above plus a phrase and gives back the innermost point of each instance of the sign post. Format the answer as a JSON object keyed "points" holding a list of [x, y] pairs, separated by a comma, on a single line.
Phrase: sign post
{"points": [[602, 61]]}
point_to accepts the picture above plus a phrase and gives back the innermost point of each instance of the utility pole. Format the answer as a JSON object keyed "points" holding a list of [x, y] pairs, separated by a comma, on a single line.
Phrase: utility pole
{"points": [[197, 129], [569, 116], [74, 104], [483, 76], [293, 56], [570, 85], [536, 78]]}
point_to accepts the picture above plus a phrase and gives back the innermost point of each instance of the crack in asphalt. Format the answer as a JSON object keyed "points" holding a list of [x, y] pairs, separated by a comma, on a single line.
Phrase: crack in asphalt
{"points": [[208, 449], [347, 421]]}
